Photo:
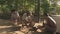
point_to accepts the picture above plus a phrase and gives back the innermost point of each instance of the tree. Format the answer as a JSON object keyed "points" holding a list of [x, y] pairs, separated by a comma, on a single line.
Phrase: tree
{"points": [[37, 10], [7, 5], [45, 6]]}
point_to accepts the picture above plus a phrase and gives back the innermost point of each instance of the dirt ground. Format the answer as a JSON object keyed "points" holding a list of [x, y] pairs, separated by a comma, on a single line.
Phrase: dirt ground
{"points": [[7, 28]]}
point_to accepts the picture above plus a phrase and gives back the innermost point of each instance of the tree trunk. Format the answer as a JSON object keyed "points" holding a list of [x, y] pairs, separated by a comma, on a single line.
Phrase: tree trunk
{"points": [[37, 10]]}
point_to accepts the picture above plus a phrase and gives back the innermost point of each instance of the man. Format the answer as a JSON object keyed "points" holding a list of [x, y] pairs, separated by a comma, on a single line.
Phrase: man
{"points": [[15, 17], [27, 18], [50, 26]]}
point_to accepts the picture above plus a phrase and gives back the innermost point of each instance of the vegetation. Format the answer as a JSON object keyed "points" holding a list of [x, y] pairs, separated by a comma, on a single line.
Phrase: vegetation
{"points": [[38, 7]]}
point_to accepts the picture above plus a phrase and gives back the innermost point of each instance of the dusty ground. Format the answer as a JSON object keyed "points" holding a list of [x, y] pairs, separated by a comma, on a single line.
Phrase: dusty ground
{"points": [[7, 28]]}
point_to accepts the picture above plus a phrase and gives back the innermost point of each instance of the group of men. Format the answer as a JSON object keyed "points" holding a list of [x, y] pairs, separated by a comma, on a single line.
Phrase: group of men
{"points": [[17, 19], [27, 20]]}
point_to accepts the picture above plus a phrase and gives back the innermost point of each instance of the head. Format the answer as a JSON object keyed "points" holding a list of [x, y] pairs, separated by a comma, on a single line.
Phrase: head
{"points": [[13, 10], [45, 15], [28, 13]]}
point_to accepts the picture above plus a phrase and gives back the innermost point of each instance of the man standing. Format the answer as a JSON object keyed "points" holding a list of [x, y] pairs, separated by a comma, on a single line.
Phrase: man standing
{"points": [[15, 17]]}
